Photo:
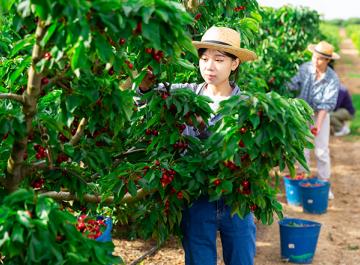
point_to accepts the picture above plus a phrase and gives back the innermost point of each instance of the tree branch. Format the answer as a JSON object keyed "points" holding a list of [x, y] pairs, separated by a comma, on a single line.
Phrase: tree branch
{"points": [[18, 98], [148, 253], [67, 196], [14, 171], [79, 132]]}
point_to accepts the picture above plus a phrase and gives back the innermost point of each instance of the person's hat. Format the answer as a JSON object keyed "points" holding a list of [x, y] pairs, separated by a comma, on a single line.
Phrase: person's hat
{"points": [[224, 39], [324, 49]]}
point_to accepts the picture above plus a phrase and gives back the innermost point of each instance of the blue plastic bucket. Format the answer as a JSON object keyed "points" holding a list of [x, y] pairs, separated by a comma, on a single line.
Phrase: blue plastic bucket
{"points": [[292, 190], [298, 239], [106, 235], [315, 196]]}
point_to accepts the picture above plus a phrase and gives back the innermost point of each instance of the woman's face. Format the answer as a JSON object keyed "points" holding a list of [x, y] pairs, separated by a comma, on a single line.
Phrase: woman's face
{"points": [[320, 63], [216, 67]]}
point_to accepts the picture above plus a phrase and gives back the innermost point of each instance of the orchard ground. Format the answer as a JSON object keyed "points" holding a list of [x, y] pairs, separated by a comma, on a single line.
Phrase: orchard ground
{"points": [[339, 241]]}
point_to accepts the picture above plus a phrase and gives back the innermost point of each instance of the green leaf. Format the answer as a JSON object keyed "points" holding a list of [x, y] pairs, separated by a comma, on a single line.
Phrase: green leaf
{"points": [[21, 195], [5, 5], [24, 218], [227, 186], [50, 31], [186, 64], [69, 149], [79, 56], [19, 70], [73, 101], [151, 32], [132, 188], [103, 49], [28, 41], [17, 234]]}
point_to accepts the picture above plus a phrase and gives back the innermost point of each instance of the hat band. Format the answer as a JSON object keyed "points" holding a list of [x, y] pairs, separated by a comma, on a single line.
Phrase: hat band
{"points": [[323, 54], [217, 42]]}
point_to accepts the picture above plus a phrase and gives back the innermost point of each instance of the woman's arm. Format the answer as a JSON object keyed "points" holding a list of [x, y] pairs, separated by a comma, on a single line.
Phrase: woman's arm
{"points": [[320, 119]]}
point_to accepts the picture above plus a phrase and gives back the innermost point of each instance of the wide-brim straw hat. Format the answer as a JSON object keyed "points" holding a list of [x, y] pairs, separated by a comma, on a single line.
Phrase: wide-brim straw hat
{"points": [[324, 49], [227, 40]]}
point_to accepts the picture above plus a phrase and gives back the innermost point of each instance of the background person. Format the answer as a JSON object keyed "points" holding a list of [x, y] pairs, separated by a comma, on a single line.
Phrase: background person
{"points": [[319, 86], [343, 113]]}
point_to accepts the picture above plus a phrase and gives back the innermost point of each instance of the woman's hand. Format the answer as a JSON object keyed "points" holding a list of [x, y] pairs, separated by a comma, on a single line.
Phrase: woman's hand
{"points": [[148, 81]]}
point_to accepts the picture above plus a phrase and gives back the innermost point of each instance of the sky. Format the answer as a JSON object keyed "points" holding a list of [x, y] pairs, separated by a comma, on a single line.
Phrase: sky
{"points": [[329, 9]]}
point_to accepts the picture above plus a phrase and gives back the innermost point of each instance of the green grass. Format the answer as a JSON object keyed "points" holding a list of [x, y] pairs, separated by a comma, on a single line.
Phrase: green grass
{"points": [[353, 75], [355, 123]]}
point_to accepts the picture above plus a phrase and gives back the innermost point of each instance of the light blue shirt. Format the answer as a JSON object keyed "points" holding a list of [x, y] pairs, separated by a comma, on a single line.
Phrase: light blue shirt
{"points": [[319, 94]]}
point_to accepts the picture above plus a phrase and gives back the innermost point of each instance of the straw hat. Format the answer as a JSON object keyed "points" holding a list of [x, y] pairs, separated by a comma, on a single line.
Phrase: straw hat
{"points": [[324, 49], [224, 39]]}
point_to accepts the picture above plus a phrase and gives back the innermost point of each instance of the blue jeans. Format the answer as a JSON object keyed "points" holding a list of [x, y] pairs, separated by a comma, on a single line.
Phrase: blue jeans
{"points": [[200, 224]]}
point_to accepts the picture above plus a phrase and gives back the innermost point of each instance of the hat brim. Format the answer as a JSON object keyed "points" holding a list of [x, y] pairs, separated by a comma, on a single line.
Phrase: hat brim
{"points": [[334, 56], [243, 54]]}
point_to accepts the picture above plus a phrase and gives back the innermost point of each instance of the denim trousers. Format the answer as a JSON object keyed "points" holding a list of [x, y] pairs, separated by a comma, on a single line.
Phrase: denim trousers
{"points": [[200, 224]]}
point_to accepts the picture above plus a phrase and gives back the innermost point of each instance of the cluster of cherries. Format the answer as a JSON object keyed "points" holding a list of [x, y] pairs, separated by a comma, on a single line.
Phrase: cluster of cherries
{"points": [[181, 127], [90, 227], [167, 176], [179, 145], [62, 158], [38, 183], [245, 187], [40, 151], [152, 132], [239, 8], [156, 55], [231, 165]]}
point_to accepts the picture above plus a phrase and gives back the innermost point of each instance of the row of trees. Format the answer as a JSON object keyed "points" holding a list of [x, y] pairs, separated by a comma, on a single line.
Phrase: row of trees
{"points": [[70, 127]]}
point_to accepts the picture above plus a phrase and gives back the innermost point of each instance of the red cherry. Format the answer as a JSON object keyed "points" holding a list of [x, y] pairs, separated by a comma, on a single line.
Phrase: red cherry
{"points": [[5, 137], [245, 184], [314, 131], [148, 50], [47, 56], [217, 182], [148, 131], [157, 57], [63, 138], [245, 157], [243, 130], [160, 53], [198, 16], [28, 213], [271, 80], [138, 28], [241, 144], [111, 71], [253, 207], [131, 66], [164, 95], [44, 81], [179, 195], [122, 41]]}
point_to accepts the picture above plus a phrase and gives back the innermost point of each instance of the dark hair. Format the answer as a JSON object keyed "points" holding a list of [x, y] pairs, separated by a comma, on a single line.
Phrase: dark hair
{"points": [[331, 64], [234, 74]]}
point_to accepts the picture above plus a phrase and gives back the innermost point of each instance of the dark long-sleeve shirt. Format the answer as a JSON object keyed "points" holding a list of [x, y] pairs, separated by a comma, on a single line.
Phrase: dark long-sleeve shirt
{"points": [[344, 100]]}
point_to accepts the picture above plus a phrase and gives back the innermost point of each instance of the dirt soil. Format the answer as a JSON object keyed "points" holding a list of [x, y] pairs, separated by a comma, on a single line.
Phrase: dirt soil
{"points": [[339, 241]]}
